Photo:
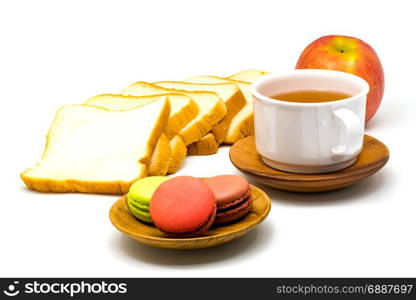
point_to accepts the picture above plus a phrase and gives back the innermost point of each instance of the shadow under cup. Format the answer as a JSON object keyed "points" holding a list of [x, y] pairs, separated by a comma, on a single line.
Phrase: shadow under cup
{"points": [[314, 137]]}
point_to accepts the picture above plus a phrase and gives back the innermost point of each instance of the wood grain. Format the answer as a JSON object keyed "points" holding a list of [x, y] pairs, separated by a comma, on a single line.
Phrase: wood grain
{"points": [[372, 158], [148, 234]]}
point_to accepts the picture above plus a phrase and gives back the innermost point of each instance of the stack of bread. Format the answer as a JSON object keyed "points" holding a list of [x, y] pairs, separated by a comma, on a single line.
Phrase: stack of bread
{"points": [[110, 141]]}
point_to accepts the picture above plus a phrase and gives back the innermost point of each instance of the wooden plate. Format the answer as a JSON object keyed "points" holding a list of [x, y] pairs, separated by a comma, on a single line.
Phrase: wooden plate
{"points": [[124, 221], [372, 158]]}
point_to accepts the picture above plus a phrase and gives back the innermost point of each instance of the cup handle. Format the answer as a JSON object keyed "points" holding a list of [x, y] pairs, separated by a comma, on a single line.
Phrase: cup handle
{"points": [[350, 132]]}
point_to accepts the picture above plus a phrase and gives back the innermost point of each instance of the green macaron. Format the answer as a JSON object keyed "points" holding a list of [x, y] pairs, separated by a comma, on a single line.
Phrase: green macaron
{"points": [[140, 194]]}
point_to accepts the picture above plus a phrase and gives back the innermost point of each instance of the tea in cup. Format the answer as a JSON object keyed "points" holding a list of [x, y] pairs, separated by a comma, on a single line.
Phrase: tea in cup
{"points": [[309, 121]]}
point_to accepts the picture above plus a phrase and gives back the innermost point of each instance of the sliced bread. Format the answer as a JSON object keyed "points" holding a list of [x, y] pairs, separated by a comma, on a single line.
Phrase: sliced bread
{"points": [[161, 157], [211, 108], [94, 150], [183, 108], [248, 75], [179, 153], [242, 124], [229, 93], [204, 146]]}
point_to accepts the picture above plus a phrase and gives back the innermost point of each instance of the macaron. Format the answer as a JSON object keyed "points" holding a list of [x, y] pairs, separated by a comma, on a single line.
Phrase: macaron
{"points": [[140, 194], [232, 195], [183, 206]]}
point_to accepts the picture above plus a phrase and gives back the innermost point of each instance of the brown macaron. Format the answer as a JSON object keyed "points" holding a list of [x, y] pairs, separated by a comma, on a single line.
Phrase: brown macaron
{"points": [[232, 195]]}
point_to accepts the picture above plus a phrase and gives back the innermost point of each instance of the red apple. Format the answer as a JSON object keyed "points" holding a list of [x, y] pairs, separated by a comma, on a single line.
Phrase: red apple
{"points": [[351, 55]]}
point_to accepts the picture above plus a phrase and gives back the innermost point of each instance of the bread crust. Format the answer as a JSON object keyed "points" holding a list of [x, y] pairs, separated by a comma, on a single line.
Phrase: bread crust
{"points": [[205, 146], [179, 153], [161, 157], [248, 75]]}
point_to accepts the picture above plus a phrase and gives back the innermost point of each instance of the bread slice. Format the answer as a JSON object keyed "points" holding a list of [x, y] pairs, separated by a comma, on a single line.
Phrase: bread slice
{"points": [[204, 146], [230, 94], [94, 150], [159, 162], [183, 110], [211, 108], [161, 157], [242, 124], [248, 75], [179, 153]]}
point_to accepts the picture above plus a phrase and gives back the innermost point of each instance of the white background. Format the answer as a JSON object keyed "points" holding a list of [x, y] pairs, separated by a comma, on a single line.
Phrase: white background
{"points": [[58, 52]]}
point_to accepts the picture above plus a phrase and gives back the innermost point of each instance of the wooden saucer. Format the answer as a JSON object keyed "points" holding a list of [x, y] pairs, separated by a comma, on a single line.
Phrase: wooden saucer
{"points": [[372, 158], [148, 234]]}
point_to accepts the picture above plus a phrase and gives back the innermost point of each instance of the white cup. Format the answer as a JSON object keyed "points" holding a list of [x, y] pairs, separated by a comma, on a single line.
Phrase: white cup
{"points": [[309, 137]]}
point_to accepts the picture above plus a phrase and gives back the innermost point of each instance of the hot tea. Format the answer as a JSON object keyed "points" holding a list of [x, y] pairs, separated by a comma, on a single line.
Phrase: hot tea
{"points": [[311, 96]]}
